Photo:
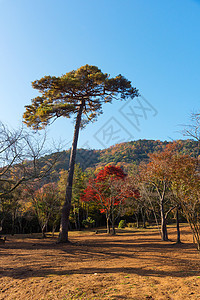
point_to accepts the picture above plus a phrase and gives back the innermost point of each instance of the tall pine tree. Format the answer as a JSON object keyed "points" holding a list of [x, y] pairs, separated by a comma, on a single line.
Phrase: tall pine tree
{"points": [[79, 93]]}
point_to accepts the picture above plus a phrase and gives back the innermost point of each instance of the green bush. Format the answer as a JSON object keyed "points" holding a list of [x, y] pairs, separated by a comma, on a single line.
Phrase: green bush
{"points": [[88, 223], [122, 224]]}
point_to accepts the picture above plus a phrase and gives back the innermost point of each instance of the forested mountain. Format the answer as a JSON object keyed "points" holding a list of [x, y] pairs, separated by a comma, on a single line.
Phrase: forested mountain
{"points": [[124, 153]]}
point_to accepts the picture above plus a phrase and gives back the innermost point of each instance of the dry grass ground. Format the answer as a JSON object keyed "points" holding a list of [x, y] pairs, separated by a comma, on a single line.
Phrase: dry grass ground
{"points": [[131, 265]]}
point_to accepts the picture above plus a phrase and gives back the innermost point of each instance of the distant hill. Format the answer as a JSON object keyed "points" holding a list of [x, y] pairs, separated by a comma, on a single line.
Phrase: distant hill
{"points": [[125, 153]]}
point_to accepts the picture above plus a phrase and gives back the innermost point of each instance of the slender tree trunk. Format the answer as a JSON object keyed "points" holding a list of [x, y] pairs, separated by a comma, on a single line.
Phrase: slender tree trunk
{"points": [[43, 231], [84, 211], [1, 227], [113, 221], [75, 222], [113, 228], [108, 225], [63, 235], [137, 220], [20, 224], [154, 213], [13, 223], [78, 216], [164, 234], [53, 230], [178, 227], [87, 211], [143, 218]]}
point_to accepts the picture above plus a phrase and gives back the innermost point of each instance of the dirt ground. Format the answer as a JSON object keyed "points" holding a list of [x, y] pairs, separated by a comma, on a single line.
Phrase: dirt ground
{"points": [[131, 265]]}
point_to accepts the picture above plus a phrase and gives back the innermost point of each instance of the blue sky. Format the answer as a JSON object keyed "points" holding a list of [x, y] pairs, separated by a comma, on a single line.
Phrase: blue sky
{"points": [[153, 43]]}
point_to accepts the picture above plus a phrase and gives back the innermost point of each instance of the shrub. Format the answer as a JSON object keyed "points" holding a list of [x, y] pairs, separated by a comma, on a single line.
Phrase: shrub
{"points": [[122, 224], [88, 223]]}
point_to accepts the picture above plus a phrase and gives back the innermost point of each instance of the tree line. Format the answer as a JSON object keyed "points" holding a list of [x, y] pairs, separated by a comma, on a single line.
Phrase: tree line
{"points": [[155, 192]]}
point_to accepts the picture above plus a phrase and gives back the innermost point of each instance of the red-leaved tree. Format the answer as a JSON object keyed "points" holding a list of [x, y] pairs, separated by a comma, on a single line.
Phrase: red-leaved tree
{"points": [[106, 191]]}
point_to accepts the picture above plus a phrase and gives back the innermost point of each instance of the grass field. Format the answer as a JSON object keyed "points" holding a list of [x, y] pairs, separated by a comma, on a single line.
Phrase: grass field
{"points": [[134, 264]]}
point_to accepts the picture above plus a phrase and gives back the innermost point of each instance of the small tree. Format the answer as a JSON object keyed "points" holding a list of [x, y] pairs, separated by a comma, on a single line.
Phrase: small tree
{"points": [[157, 175], [80, 93], [122, 224], [89, 222], [46, 204]]}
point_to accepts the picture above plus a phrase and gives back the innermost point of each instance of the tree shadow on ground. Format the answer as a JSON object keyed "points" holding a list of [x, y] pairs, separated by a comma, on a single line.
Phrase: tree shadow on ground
{"points": [[26, 272]]}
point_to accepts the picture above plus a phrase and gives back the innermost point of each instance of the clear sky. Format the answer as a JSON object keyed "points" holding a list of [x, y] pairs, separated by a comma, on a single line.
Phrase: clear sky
{"points": [[153, 43]]}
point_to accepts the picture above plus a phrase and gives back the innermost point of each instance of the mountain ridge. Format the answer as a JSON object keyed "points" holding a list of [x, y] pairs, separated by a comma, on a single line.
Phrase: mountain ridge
{"points": [[123, 153]]}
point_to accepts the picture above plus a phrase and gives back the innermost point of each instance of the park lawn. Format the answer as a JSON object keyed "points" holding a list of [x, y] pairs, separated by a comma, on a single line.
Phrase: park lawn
{"points": [[134, 264]]}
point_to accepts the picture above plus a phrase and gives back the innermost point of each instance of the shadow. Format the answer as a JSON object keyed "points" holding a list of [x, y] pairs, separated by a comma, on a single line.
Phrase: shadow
{"points": [[22, 273], [95, 246]]}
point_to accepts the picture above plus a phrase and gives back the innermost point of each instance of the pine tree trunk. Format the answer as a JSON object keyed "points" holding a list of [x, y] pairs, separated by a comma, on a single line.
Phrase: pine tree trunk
{"points": [[63, 235]]}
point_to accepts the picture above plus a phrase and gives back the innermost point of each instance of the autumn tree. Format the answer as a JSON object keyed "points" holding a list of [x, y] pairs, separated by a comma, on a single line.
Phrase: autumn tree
{"points": [[185, 185], [80, 93], [156, 174], [45, 203], [105, 190]]}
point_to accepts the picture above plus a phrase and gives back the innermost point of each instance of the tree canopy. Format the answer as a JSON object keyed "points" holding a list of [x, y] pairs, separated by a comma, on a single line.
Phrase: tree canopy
{"points": [[61, 96]]}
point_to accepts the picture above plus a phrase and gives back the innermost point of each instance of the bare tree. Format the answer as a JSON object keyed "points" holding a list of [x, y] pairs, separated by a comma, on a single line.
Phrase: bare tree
{"points": [[22, 158], [21, 161], [193, 131]]}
